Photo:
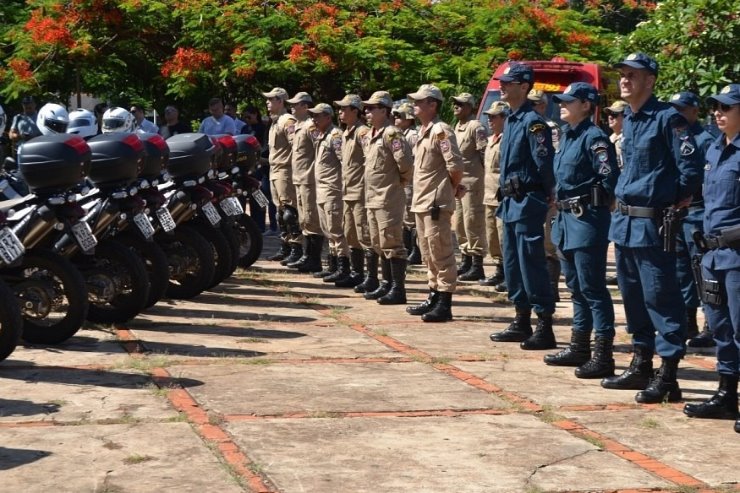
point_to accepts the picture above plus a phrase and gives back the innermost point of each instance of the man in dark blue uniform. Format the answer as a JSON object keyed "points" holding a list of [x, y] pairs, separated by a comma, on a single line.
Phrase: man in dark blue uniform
{"points": [[721, 261], [687, 103], [526, 189], [662, 170], [586, 172]]}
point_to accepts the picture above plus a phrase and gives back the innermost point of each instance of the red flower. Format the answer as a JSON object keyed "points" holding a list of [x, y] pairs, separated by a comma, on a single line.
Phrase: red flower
{"points": [[21, 69], [185, 62]]}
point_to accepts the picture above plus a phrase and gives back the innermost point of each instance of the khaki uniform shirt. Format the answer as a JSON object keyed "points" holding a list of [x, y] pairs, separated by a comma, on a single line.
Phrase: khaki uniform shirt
{"points": [[493, 169], [281, 135], [435, 155], [388, 167], [304, 152], [353, 162], [616, 139], [411, 135], [328, 165], [472, 140]]}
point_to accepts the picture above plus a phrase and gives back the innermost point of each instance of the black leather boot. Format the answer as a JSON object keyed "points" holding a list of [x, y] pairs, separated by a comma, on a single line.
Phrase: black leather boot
{"points": [[370, 283], [332, 262], [282, 253], [415, 255], [442, 310], [496, 278], [476, 272], [663, 386], [637, 376], [576, 354], [553, 273], [313, 262], [426, 305], [601, 363], [692, 328], [519, 330], [722, 405], [342, 271], [502, 287], [397, 293], [467, 262], [385, 284], [543, 337], [704, 339], [355, 277], [308, 246], [296, 252]]}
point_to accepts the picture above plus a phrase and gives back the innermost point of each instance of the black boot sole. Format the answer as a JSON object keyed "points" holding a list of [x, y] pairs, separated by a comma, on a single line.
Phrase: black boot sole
{"points": [[510, 336]]}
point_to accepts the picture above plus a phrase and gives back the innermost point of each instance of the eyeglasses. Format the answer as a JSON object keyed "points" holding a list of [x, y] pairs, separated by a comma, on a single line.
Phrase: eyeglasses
{"points": [[724, 108]]}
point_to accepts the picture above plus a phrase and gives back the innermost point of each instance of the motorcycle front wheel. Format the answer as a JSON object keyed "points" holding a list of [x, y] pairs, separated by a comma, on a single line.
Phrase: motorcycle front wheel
{"points": [[250, 240], [191, 261], [156, 265]]}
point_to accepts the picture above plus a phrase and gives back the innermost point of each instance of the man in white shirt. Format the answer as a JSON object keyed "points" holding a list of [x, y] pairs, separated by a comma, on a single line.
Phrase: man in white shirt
{"points": [[142, 124], [218, 123]]}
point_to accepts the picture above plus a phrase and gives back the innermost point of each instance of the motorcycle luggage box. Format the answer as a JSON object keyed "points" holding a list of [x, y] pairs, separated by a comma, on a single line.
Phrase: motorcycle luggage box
{"points": [[247, 151], [53, 164], [226, 159], [117, 159], [157, 154], [190, 156]]}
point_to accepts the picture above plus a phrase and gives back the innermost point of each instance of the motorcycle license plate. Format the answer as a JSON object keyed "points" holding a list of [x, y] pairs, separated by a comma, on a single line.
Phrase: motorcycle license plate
{"points": [[144, 224], [231, 206], [83, 234], [165, 219], [211, 213], [260, 198], [11, 247]]}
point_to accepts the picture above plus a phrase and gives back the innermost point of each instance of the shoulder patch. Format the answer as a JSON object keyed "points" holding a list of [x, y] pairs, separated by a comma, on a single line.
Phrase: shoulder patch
{"points": [[599, 144], [537, 127]]}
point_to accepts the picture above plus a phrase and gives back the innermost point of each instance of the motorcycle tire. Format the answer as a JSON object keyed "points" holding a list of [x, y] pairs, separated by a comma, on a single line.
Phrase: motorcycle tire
{"points": [[230, 233], [155, 261], [221, 252], [11, 321], [121, 273], [46, 279], [191, 262], [250, 240]]}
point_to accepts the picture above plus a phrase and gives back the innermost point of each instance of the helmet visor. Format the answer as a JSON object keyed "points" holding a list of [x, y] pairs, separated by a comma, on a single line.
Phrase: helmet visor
{"points": [[113, 123], [80, 122], [56, 126]]}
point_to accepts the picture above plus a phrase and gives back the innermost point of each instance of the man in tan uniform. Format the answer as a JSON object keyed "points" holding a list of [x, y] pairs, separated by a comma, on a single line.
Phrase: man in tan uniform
{"points": [[353, 194], [328, 172], [302, 160], [388, 168], [281, 183], [470, 229], [406, 122], [497, 113], [438, 170]]}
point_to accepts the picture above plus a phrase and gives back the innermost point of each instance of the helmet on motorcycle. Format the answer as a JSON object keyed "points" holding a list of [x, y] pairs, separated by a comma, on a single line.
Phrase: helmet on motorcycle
{"points": [[118, 120], [52, 119], [83, 123]]}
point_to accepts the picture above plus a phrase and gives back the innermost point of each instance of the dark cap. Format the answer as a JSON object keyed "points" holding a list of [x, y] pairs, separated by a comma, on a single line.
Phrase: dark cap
{"points": [[730, 94], [578, 90], [685, 99], [28, 100], [517, 72], [640, 61]]}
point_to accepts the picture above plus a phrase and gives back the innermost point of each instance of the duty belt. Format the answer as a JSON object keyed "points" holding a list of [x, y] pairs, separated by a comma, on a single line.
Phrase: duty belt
{"points": [[712, 242], [572, 203], [635, 211], [509, 190]]}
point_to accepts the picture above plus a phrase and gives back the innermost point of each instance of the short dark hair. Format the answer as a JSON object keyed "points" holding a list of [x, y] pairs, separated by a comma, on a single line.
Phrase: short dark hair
{"points": [[253, 110], [213, 101]]}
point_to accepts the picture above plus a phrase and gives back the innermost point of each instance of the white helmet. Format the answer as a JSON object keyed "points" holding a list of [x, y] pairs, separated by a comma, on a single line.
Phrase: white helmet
{"points": [[52, 119], [83, 123], [118, 120]]}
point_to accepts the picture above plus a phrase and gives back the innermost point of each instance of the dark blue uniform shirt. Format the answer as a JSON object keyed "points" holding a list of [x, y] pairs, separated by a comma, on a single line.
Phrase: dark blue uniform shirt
{"points": [[526, 152], [661, 167], [722, 199], [585, 157]]}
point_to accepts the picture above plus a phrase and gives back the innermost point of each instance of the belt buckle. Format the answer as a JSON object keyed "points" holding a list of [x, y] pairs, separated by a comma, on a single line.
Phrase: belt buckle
{"points": [[576, 208]]}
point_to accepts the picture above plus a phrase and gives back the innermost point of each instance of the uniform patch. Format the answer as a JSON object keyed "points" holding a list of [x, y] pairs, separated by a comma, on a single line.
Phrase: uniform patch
{"points": [[540, 137], [290, 129], [687, 149], [314, 133], [480, 133], [541, 151], [537, 127], [599, 144], [444, 145], [396, 145], [337, 144]]}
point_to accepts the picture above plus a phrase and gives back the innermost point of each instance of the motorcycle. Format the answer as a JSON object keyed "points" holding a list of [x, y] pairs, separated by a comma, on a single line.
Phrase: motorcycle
{"points": [[11, 321]]}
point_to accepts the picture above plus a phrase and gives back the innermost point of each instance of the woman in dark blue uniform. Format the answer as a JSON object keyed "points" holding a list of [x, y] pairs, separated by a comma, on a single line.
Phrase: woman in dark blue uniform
{"points": [[586, 172], [721, 261]]}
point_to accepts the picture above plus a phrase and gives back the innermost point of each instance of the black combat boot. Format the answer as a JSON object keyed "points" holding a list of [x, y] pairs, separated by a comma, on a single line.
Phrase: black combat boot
{"points": [[370, 283], [576, 354], [639, 373], [601, 363], [308, 246], [442, 310], [282, 253], [692, 328], [397, 293], [357, 261], [342, 271], [543, 337], [385, 284], [553, 273], [296, 252], [722, 405], [705, 339], [465, 265], [663, 386], [426, 305], [476, 272], [502, 287], [313, 262], [612, 280], [496, 278], [332, 262], [519, 330], [415, 255]]}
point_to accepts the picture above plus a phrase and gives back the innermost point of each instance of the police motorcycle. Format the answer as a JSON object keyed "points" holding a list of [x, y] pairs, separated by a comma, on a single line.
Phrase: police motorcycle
{"points": [[11, 321]]}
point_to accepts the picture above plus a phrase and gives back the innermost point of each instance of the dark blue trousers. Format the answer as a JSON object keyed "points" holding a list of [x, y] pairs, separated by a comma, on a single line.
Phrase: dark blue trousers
{"points": [[725, 320], [685, 250]]}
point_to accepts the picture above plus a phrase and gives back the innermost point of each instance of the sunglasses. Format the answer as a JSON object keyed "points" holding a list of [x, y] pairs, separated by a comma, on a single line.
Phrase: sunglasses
{"points": [[724, 108]]}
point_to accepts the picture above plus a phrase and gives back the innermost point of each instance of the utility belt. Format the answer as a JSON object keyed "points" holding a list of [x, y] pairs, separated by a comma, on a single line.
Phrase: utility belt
{"points": [[670, 218], [577, 205], [712, 291], [513, 187], [727, 238]]}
